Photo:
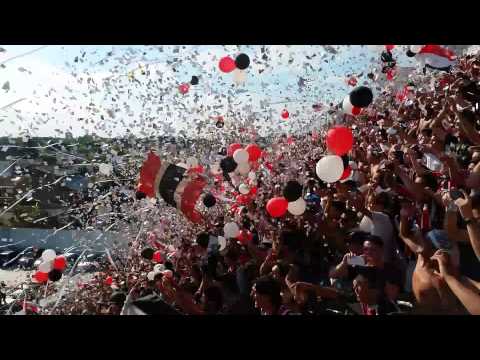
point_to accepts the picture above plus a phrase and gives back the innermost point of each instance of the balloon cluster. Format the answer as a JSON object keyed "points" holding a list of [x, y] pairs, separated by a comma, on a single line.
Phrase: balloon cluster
{"points": [[51, 268], [333, 168], [241, 62], [153, 255], [359, 98], [240, 159], [389, 63], [293, 192], [159, 269]]}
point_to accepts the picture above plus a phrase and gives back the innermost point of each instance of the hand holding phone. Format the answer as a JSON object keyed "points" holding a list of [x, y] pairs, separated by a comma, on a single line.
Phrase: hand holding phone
{"points": [[356, 261], [456, 194]]}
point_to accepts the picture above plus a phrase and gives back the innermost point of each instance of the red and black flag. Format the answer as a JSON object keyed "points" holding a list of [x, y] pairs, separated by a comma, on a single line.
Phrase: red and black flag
{"points": [[176, 185]]}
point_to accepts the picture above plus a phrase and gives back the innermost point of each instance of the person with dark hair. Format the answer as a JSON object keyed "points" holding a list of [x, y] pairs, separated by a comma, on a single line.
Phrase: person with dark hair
{"points": [[202, 240], [374, 273], [116, 303], [266, 293]]}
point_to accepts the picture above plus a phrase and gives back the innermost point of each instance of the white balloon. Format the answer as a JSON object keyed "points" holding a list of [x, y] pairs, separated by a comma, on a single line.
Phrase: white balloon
{"points": [[151, 275], [46, 266], [215, 169], [347, 105], [330, 168], [231, 230], [243, 189], [243, 169], [252, 175], [240, 156], [239, 77], [235, 179], [183, 165], [158, 268], [105, 169], [192, 162], [297, 207], [222, 242], [415, 48], [48, 255]]}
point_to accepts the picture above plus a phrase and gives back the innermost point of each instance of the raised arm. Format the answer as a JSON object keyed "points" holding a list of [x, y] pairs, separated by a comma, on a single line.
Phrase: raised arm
{"points": [[467, 296], [465, 207], [415, 241], [415, 189], [341, 270]]}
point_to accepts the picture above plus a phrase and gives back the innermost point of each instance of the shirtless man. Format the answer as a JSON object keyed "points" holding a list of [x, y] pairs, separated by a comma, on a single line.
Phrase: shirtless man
{"points": [[431, 292]]}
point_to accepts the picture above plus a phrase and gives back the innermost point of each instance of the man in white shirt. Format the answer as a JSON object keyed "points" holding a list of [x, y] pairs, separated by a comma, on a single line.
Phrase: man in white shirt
{"points": [[376, 222]]}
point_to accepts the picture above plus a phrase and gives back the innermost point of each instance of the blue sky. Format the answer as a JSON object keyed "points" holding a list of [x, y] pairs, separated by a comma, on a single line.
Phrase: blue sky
{"points": [[58, 94]]}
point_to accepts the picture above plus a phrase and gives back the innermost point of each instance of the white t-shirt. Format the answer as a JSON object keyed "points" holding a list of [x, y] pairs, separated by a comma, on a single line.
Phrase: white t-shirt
{"points": [[381, 226]]}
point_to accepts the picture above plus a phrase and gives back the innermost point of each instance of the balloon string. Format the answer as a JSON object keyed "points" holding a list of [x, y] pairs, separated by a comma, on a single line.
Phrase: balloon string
{"points": [[30, 192], [67, 279], [24, 54], [9, 166], [12, 103], [46, 288]]}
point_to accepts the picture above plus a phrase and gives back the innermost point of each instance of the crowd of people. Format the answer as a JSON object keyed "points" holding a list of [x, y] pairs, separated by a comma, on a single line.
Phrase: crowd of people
{"points": [[401, 235]]}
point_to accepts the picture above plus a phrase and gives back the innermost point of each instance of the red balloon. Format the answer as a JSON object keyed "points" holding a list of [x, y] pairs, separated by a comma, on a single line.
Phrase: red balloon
{"points": [[356, 110], [60, 263], [109, 281], [232, 148], [157, 257], [390, 74], [227, 64], [41, 277], [339, 140], [346, 173], [183, 88], [243, 199], [352, 81], [277, 207], [285, 114], [254, 152], [253, 191], [245, 237], [389, 47]]}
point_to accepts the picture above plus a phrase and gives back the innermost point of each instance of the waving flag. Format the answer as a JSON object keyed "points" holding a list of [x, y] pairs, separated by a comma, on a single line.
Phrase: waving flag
{"points": [[435, 57], [174, 184]]}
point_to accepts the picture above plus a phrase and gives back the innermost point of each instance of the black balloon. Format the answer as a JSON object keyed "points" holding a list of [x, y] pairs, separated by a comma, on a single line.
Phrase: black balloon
{"points": [[140, 195], [147, 253], [194, 80], [209, 200], [361, 97], [386, 56], [54, 275], [242, 61], [410, 53], [292, 191], [228, 165], [219, 124]]}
